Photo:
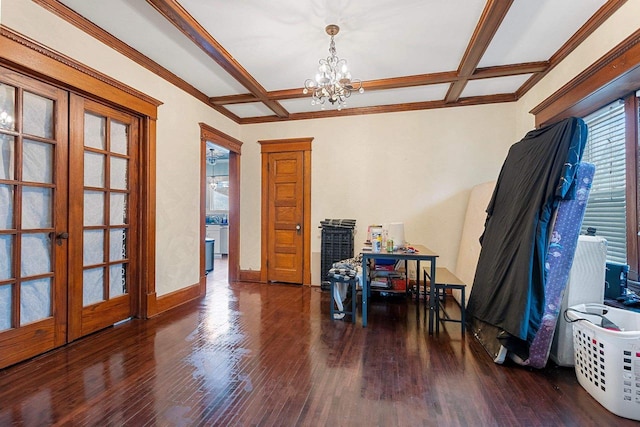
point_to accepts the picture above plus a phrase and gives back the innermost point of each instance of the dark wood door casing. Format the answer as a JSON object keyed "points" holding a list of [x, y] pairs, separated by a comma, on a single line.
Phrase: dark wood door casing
{"points": [[208, 133]]}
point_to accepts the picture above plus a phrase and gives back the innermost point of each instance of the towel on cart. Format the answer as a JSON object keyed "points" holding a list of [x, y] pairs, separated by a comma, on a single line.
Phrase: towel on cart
{"points": [[343, 271]]}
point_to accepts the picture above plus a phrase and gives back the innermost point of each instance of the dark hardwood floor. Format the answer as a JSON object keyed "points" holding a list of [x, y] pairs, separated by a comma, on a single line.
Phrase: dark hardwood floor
{"points": [[251, 354]]}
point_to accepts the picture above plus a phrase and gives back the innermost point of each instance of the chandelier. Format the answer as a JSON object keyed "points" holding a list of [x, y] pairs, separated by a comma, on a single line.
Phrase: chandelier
{"points": [[333, 81]]}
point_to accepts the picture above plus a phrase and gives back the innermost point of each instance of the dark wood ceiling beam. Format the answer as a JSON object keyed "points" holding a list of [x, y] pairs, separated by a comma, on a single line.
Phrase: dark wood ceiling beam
{"points": [[426, 105], [182, 20], [509, 70], [243, 98], [409, 81], [492, 16], [392, 83], [396, 82]]}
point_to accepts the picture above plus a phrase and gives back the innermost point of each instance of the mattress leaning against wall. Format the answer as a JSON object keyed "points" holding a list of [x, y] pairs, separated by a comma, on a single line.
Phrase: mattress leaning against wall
{"points": [[560, 256], [507, 300]]}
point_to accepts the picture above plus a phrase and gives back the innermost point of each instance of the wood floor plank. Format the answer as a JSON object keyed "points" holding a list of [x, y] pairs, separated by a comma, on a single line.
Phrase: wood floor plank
{"points": [[268, 355]]}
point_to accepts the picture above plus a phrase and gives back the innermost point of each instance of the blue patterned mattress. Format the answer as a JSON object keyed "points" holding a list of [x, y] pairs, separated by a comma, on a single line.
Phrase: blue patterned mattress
{"points": [[562, 248]]}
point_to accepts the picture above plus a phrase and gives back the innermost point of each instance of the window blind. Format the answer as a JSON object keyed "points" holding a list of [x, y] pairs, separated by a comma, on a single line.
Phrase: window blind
{"points": [[606, 208]]}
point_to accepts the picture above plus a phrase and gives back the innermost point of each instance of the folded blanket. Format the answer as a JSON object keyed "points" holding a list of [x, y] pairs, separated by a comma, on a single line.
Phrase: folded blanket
{"points": [[346, 269]]}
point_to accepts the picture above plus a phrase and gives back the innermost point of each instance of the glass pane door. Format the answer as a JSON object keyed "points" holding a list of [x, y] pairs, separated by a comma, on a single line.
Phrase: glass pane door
{"points": [[33, 147], [102, 191]]}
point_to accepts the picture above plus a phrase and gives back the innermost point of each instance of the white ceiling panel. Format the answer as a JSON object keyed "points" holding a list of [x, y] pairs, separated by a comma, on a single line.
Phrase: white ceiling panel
{"points": [[280, 43], [496, 85], [252, 109], [140, 26], [535, 30], [405, 51]]}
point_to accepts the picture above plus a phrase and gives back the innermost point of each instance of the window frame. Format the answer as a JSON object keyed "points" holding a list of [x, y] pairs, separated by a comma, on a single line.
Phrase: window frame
{"points": [[616, 75]]}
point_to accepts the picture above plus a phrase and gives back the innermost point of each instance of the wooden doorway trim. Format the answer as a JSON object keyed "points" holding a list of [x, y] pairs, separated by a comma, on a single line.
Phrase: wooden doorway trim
{"points": [[208, 133], [33, 59], [276, 146]]}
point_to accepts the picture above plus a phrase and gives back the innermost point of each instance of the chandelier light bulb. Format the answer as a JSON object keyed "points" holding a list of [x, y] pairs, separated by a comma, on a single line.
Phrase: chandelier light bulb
{"points": [[333, 81]]}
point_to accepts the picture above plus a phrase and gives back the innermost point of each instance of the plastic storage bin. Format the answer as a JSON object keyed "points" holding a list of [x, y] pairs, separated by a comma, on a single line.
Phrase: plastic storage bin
{"points": [[337, 244], [607, 361]]}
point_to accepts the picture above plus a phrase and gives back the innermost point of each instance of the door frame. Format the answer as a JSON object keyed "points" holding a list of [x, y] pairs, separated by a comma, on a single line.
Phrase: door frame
{"points": [[208, 133], [37, 61], [277, 146]]}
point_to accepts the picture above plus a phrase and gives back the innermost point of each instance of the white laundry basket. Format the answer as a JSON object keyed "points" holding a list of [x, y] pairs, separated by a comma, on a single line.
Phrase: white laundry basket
{"points": [[607, 362]]}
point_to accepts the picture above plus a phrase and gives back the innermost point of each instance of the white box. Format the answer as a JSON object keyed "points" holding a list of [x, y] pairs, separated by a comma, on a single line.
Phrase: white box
{"points": [[585, 285]]}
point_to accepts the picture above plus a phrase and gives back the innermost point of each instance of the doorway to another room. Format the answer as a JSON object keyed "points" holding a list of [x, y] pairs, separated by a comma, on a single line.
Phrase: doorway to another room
{"points": [[217, 207], [220, 201]]}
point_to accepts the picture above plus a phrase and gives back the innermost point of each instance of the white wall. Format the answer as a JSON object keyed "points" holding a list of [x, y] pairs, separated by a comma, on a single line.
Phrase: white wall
{"points": [[414, 167], [178, 137]]}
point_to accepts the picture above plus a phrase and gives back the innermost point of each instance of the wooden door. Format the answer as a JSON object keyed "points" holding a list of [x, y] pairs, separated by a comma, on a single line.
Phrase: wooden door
{"points": [[33, 221], [286, 216], [102, 211]]}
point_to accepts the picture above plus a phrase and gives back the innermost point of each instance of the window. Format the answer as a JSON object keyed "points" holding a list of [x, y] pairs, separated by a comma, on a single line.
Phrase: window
{"points": [[606, 210], [610, 78]]}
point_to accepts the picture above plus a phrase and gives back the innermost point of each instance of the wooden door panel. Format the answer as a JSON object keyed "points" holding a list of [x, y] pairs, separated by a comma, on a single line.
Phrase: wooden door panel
{"points": [[286, 169], [286, 192], [94, 317], [286, 217], [27, 341], [286, 262], [285, 239]]}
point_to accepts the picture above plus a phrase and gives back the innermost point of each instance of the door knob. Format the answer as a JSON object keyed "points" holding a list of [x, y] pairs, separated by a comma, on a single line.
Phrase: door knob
{"points": [[64, 235], [298, 228]]}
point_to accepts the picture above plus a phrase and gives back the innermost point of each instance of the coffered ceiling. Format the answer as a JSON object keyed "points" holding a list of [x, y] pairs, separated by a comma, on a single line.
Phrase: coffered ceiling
{"points": [[249, 59]]}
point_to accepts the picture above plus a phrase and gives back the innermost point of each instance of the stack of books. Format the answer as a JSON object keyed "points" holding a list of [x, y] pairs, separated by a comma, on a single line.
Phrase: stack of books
{"points": [[387, 277]]}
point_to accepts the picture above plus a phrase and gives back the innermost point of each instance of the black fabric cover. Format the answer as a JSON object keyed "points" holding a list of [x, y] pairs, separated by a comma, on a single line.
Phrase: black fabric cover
{"points": [[508, 288]]}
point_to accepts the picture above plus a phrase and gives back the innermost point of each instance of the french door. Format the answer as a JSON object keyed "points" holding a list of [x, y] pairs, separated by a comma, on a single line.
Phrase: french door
{"points": [[33, 199], [66, 200], [101, 205]]}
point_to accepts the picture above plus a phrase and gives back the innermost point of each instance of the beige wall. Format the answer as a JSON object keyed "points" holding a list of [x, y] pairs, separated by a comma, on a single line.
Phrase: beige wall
{"points": [[178, 137], [414, 167]]}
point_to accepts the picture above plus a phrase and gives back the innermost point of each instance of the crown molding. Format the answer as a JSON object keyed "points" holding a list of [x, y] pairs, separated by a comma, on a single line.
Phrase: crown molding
{"points": [[24, 53]]}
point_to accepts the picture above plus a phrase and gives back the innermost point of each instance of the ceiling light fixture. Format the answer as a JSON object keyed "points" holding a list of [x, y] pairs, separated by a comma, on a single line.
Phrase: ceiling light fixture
{"points": [[6, 121], [333, 81], [212, 157]]}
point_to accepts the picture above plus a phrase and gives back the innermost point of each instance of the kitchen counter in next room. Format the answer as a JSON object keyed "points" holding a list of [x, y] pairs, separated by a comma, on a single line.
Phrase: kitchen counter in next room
{"points": [[220, 233]]}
